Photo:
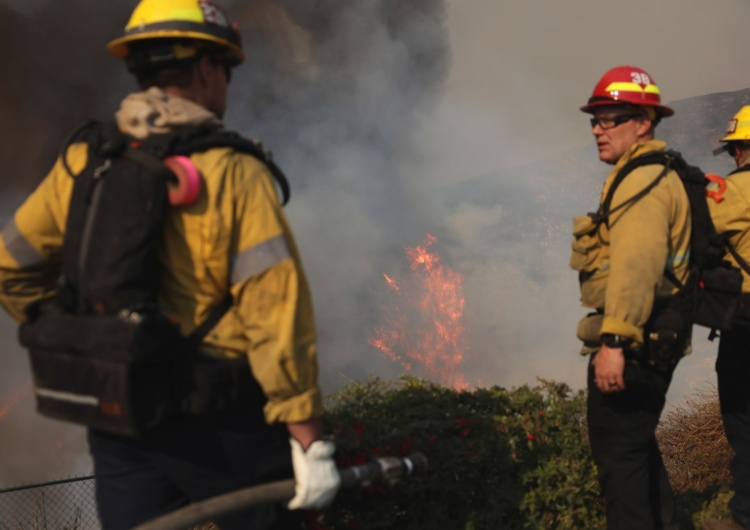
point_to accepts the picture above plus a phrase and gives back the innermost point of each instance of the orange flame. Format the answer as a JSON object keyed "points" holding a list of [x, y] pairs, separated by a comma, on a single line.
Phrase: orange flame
{"points": [[434, 336], [14, 399], [393, 283]]}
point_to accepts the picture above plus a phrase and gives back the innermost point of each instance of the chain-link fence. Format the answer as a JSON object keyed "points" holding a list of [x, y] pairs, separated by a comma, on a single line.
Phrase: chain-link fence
{"points": [[60, 505]]}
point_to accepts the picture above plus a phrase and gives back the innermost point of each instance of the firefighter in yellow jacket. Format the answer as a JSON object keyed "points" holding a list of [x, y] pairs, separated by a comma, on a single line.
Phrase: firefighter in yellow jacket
{"points": [[234, 238], [641, 229], [730, 212]]}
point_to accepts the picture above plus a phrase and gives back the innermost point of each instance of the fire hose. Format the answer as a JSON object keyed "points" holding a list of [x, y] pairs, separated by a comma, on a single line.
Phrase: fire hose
{"points": [[386, 470]]}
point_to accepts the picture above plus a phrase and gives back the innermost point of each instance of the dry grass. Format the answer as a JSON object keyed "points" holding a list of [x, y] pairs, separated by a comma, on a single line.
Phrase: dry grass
{"points": [[695, 450]]}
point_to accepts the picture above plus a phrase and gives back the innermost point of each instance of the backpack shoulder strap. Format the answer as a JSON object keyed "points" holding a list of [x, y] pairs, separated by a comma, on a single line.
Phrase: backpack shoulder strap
{"points": [[103, 138], [736, 255], [658, 157], [202, 140]]}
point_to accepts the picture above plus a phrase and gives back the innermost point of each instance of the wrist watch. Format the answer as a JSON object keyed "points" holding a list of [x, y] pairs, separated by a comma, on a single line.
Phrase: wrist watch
{"points": [[614, 341]]}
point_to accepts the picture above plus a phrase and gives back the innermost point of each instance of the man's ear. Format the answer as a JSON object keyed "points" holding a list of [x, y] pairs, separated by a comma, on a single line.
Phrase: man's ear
{"points": [[203, 70], [645, 125], [739, 152]]}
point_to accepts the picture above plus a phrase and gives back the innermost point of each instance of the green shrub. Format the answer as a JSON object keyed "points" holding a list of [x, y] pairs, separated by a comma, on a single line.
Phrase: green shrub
{"points": [[499, 459], [504, 459]]}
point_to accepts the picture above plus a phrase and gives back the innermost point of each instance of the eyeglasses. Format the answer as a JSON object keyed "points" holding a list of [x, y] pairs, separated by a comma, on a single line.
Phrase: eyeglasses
{"points": [[611, 122]]}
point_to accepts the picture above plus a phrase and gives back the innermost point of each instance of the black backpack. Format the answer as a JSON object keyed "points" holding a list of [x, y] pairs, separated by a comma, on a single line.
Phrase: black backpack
{"points": [[101, 352], [711, 292]]}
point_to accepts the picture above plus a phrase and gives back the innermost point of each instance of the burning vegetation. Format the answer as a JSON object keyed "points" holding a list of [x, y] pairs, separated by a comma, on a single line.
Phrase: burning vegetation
{"points": [[425, 324]]}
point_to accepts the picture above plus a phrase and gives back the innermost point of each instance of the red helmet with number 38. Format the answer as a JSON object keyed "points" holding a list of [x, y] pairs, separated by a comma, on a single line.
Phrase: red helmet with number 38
{"points": [[627, 85]]}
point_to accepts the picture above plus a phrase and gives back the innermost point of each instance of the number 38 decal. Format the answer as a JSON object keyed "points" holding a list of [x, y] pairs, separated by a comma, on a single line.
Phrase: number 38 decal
{"points": [[640, 78]]}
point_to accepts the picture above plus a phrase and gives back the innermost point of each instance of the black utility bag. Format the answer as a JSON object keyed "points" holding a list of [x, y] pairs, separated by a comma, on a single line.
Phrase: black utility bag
{"points": [[710, 295], [101, 353]]}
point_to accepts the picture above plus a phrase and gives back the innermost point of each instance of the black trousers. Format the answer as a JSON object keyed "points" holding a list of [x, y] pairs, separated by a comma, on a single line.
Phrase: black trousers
{"points": [[188, 461], [733, 373], [622, 429]]}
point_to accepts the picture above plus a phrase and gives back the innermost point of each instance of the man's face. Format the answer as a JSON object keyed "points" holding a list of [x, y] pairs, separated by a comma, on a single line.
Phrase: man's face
{"points": [[616, 130]]}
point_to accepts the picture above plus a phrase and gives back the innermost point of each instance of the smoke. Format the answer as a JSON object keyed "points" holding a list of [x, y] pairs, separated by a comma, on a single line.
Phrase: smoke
{"points": [[340, 99], [26, 8], [392, 119]]}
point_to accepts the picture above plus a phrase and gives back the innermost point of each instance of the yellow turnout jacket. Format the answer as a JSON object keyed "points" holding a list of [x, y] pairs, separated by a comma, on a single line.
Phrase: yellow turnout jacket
{"points": [[732, 214], [622, 262]]}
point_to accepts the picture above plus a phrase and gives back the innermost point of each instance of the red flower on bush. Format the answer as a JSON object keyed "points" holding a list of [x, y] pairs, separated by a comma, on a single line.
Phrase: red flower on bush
{"points": [[465, 422], [464, 433], [405, 445], [529, 436], [358, 428]]}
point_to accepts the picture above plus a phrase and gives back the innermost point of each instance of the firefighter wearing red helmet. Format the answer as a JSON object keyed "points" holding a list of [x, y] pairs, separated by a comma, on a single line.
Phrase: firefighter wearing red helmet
{"points": [[623, 254], [234, 242]]}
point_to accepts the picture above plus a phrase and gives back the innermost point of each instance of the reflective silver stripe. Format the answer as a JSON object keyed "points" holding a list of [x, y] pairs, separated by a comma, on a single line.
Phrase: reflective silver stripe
{"points": [[678, 259], [67, 396], [20, 249], [259, 258]]}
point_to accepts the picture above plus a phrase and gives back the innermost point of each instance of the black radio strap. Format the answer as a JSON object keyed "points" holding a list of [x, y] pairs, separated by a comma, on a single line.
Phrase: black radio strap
{"points": [[217, 313]]}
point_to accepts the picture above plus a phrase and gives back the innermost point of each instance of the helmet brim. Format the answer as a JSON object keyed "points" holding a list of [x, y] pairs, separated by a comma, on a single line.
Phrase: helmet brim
{"points": [[119, 47]]}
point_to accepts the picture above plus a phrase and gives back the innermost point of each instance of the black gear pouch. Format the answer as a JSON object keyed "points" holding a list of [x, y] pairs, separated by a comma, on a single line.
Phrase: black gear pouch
{"points": [[129, 373], [107, 372], [717, 296], [668, 332]]}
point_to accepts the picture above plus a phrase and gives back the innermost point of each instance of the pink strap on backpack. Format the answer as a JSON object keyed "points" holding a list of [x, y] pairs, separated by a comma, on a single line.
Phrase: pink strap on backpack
{"points": [[186, 190]]}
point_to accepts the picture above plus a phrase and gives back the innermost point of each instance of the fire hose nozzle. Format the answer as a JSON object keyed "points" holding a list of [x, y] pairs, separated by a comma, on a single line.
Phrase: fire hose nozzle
{"points": [[386, 470]]}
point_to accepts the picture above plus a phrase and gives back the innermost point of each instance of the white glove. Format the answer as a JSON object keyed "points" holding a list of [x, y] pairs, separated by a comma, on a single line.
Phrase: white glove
{"points": [[316, 475]]}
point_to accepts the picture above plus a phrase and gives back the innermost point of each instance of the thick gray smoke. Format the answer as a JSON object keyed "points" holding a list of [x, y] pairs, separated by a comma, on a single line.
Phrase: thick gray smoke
{"points": [[336, 89], [388, 129], [339, 101]]}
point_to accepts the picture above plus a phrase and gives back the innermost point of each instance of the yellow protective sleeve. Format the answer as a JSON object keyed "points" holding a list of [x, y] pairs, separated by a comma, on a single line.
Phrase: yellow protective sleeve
{"points": [[39, 222], [275, 306]]}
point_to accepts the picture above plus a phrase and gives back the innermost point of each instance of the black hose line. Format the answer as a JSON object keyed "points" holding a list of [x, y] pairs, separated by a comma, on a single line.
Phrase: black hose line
{"points": [[387, 470]]}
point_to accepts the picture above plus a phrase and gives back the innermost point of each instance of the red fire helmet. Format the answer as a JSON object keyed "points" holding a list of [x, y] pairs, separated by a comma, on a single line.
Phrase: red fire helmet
{"points": [[627, 85]]}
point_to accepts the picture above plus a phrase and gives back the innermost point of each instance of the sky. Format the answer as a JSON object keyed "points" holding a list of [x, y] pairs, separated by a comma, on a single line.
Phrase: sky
{"points": [[379, 113]]}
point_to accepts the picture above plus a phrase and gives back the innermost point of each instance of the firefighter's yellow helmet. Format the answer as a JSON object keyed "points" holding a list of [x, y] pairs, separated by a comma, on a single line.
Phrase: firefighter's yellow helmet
{"points": [[197, 20], [739, 126]]}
